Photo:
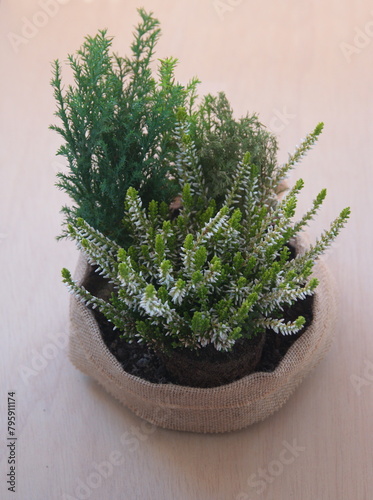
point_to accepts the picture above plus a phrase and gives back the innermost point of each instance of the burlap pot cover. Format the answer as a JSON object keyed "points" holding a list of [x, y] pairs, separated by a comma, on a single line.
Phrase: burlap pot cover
{"points": [[219, 409]]}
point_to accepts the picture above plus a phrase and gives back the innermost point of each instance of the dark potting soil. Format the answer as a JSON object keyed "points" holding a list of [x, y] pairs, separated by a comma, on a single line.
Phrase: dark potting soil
{"points": [[140, 361]]}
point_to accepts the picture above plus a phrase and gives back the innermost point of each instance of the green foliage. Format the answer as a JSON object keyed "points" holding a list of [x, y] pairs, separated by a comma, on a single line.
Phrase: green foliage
{"points": [[218, 268], [216, 272], [222, 141], [117, 122]]}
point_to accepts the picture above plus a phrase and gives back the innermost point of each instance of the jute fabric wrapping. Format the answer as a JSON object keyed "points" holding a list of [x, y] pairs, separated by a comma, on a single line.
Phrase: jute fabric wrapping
{"points": [[219, 409]]}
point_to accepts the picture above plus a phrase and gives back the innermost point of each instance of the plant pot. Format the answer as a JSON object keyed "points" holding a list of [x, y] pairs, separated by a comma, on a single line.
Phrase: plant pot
{"points": [[208, 410], [214, 368]]}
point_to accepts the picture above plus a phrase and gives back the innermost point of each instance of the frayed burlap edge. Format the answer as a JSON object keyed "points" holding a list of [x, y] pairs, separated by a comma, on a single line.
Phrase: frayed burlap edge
{"points": [[219, 409]]}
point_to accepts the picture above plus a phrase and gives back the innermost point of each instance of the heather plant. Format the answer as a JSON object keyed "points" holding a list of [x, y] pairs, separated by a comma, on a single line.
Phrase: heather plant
{"points": [[216, 271]]}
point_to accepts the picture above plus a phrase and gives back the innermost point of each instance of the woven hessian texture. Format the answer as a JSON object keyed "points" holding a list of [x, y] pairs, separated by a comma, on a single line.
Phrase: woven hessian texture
{"points": [[219, 409]]}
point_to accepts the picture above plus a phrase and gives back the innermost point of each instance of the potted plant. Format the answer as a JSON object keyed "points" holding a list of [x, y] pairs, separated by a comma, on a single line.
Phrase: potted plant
{"points": [[192, 271]]}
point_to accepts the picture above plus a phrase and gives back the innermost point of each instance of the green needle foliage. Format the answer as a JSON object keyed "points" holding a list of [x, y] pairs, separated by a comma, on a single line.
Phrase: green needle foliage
{"points": [[215, 272], [116, 123], [221, 142]]}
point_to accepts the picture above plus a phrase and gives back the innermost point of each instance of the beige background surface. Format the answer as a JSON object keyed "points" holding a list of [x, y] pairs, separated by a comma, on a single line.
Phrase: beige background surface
{"points": [[295, 63]]}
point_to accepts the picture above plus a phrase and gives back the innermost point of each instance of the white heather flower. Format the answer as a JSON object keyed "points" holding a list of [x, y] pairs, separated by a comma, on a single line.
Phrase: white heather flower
{"points": [[177, 294]]}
